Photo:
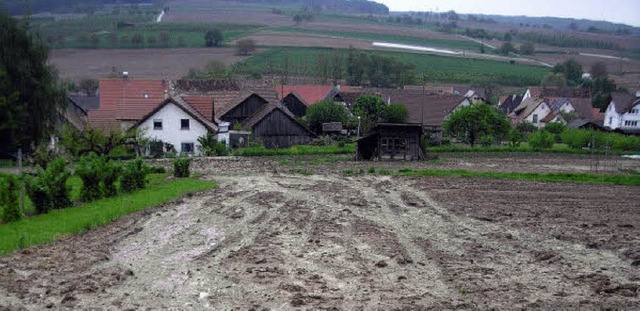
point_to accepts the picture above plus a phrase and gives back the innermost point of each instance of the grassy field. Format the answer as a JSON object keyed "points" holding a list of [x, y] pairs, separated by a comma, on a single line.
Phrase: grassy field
{"points": [[440, 69], [295, 150], [440, 43], [48, 227]]}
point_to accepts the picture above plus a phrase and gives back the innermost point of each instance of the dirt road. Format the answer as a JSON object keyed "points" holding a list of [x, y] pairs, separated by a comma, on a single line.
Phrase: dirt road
{"points": [[329, 241]]}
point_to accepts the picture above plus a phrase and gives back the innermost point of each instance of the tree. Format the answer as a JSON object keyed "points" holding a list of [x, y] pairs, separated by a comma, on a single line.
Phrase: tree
{"points": [[324, 112], [246, 46], [89, 86], [213, 38], [527, 49], [554, 80], [599, 71], [571, 69], [395, 113], [506, 48], [165, 38], [137, 40], [470, 123], [151, 40], [369, 108], [29, 87], [297, 18]]}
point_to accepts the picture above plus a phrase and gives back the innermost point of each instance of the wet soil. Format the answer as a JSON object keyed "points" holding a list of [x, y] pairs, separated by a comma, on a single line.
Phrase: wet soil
{"points": [[270, 239]]}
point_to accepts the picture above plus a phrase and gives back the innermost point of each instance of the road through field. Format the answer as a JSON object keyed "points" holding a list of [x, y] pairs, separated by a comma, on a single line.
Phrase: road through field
{"points": [[283, 241]]}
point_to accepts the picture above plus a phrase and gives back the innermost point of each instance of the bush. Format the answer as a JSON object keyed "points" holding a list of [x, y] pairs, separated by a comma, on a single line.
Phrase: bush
{"points": [[211, 146], [625, 143], [486, 140], [90, 169], [181, 167], [555, 128], [55, 177], [49, 189], [578, 139], [8, 200], [134, 176], [515, 138], [157, 170], [110, 174], [540, 140]]}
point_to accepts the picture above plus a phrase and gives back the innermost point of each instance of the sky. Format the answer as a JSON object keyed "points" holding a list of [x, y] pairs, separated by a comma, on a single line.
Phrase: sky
{"points": [[617, 11]]}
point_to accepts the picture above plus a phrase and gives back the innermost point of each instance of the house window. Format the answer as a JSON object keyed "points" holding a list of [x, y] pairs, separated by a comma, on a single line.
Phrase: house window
{"points": [[630, 123], [535, 118], [610, 120], [187, 148], [157, 124], [184, 124]]}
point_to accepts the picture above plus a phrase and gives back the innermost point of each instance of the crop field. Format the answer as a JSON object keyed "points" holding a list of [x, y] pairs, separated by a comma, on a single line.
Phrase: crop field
{"points": [[437, 68], [297, 232], [76, 64], [394, 38]]}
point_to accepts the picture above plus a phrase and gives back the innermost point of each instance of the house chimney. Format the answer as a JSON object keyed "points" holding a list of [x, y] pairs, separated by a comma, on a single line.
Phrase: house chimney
{"points": [[637, 94]]}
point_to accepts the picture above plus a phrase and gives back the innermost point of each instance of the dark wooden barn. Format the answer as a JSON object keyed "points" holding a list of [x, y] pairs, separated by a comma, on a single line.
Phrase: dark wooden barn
{"points": [[243, 110], [294, 102], [277, 128], [391, 141]]}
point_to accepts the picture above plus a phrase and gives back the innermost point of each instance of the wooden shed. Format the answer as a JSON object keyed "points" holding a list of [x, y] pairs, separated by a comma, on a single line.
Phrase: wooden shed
{"points": [[391, 141], [277, 128]]}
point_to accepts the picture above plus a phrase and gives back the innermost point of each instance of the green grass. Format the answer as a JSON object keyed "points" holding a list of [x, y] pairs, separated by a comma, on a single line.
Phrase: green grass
{"points": [[48, 227], [619, 179], [442, 69], [524, 147], [440, 43], [7, 163], [295, 150]]}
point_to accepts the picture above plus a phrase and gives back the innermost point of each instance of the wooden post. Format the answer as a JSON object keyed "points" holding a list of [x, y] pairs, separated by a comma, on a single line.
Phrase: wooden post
{"points": [[22, 182]]}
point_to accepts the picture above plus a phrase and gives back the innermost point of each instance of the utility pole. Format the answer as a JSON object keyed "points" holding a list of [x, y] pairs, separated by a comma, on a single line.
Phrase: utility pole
{"points": [[424, 82]]}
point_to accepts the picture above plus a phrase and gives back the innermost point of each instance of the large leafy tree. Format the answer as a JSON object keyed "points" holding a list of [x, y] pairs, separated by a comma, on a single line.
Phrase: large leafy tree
{"points": [[370, 109], [29, 88], [395, 113], [325, 112], [468, 124], [571, 69]]}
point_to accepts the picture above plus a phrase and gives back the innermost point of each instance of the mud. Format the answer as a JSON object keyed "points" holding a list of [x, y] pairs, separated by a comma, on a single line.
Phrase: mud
{"points": [[269, 239]]}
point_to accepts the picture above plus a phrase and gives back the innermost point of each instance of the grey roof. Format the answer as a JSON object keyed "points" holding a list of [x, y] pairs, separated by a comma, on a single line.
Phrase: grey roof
{"points": [[87, 103], [511, 103], [623, 101]]}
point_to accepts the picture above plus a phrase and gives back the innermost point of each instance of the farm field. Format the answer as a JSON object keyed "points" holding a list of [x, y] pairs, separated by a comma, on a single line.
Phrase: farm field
{"points": [[76, 64], [438, 68], [268, 238]]}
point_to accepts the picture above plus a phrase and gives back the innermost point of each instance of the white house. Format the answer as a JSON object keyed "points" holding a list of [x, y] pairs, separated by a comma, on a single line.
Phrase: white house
{"points": [[177, 123], [531, 110], [623, 112]]}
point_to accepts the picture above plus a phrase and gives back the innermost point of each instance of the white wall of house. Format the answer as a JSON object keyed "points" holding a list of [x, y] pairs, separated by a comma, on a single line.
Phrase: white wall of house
{"points": [[567, 108], [172, 132], [612, 117], [538, 114], [631, 119]]}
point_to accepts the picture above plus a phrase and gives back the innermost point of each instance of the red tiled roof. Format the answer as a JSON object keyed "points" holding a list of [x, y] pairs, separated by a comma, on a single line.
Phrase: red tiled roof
{"points": [[104, 120], [311, 94], [202, 104], [180, 103], [132, 98]]}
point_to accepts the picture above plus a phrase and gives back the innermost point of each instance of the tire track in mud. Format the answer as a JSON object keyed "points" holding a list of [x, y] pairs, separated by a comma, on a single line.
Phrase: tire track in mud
{"points": [[328, 242]]}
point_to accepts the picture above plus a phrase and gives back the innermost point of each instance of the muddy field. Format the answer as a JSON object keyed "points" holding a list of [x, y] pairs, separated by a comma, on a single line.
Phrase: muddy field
{"points": [[269, 239], [76, 64]]}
